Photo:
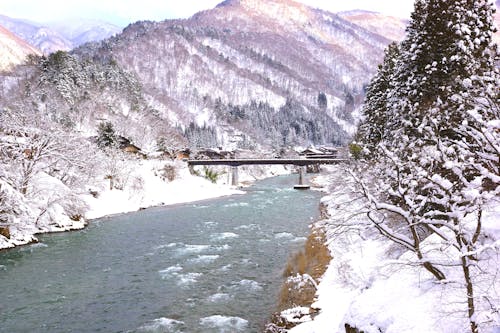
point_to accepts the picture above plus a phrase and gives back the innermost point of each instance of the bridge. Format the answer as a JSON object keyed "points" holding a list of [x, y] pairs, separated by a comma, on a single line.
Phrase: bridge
{"points": [[301, 162]]}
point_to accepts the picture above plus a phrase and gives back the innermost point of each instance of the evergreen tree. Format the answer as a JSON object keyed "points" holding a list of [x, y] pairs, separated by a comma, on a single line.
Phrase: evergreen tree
{"points": [[322, 101], [371, 130], [447, 44], [106, 136], [445, 74]]}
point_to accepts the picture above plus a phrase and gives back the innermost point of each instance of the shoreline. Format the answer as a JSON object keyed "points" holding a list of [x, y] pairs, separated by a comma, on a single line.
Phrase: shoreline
{"points": [[304, 271]]}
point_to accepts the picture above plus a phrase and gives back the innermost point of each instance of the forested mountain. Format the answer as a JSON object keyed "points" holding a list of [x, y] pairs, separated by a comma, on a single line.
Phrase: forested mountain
{"points": [[273, 72], [13, 49]]}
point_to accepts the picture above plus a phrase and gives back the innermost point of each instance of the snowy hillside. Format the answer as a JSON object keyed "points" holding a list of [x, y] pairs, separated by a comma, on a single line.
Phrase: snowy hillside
{"points": [[242, 75], [13, 49]]}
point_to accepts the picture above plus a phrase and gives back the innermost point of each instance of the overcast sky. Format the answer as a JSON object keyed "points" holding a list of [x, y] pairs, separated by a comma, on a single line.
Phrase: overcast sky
{"points": [[122, 12]]}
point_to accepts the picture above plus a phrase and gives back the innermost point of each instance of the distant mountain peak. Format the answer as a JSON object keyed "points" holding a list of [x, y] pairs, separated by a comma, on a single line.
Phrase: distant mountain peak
{"points": [[263, 6], [59, 35], [271, 13]]}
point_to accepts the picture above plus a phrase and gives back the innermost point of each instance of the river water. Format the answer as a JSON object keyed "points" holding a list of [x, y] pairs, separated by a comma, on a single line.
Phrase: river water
{"points": [[211, 266]]}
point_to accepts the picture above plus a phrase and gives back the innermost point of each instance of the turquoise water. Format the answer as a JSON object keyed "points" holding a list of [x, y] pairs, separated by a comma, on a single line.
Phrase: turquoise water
{"points": [[211, 266]]}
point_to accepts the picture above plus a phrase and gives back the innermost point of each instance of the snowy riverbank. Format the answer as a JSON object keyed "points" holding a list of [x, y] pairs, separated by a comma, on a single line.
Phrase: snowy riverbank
{"points": [[374, 286], [146, 186]]}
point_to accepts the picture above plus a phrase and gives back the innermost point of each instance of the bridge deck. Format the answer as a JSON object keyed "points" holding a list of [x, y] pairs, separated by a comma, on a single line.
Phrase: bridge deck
{"points": [[256, 161]]}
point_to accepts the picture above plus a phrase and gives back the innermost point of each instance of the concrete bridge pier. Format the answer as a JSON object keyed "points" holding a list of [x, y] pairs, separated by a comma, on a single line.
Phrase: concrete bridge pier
{"points": [[234, 175], [301, 185]]}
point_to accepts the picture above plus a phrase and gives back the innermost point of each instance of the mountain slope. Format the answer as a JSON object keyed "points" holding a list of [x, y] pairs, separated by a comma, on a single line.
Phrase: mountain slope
{"points": [[13, 50], [388, 26], [246, 64]]}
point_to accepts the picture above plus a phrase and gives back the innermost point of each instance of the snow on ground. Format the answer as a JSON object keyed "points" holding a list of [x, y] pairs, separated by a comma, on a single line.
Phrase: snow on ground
{"points": [[153, 191], [144, 187], [376, 287]]}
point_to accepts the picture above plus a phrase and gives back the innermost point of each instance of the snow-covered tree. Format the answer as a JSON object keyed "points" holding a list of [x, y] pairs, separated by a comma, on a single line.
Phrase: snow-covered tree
{"points": [[438, 157], [371, 130], [43, 169], [106, 136]]}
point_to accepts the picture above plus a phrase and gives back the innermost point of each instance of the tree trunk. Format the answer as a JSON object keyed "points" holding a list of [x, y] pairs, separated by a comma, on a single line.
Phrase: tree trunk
{"points": [[427, 265], [434, 271], [470, 294]]}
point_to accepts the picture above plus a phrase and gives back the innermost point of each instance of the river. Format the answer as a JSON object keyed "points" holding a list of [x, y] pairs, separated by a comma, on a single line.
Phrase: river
{"points": [[211, 266]]}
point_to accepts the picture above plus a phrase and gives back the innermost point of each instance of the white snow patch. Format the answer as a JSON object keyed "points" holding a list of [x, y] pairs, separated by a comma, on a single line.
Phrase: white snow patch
{"points": [[296, 315], [374, 286], [155, 191]]}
